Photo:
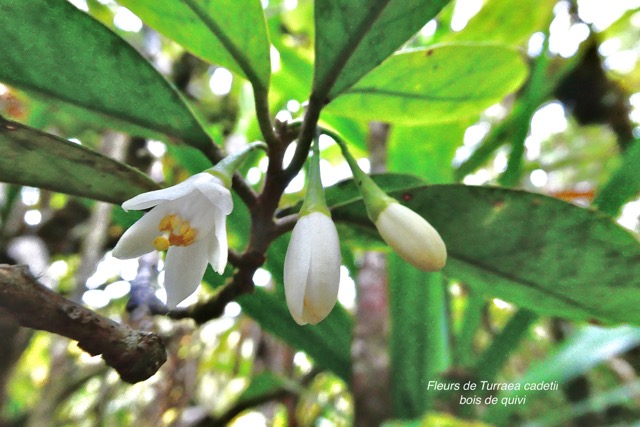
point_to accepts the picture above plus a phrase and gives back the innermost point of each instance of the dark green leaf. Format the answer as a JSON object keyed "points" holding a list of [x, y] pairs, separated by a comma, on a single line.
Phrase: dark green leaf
{"points": [[623, 186], [587, 348], [355, 36], [434, 85], [263, 385], [598, 402], [231, 33], [418, 305], [537, 252], [328, 343], [34, 158], [51, 48]]}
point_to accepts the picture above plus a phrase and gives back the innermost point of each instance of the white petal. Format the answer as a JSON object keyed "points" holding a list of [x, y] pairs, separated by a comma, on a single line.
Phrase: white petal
{"points": [[152, 198], [213, 189], [138, 239], [324, 271], [412, 237], [183, 271], [296, 268], [218, 245]]}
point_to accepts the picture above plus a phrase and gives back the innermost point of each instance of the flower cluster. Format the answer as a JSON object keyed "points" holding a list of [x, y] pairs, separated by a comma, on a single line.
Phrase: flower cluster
{"points": [[188, 221]]}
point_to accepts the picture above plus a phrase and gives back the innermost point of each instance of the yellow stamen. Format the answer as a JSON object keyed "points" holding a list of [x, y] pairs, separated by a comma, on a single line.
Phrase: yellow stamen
{"points": [[169, 222], [176, 232], [184, 227], [161, 243], [189, 236]]}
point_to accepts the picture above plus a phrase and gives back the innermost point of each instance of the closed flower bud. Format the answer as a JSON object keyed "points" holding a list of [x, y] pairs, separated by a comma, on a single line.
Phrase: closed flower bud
{"points": [[412, 237], [312, 268]]}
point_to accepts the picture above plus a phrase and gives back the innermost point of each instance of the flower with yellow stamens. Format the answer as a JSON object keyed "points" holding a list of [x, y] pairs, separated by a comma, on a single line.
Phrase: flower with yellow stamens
{"points": [[188, 221]]}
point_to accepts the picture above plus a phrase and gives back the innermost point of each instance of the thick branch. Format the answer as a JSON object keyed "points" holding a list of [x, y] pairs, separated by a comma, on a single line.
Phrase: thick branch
{"points": [[134, 354]]}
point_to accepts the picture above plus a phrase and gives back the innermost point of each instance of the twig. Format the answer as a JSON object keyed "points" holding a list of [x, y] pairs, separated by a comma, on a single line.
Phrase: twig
{"points": [[136, 355]]}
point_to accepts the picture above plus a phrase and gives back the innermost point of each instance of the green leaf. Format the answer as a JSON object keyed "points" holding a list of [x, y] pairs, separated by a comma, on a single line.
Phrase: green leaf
{"points": [[355, 36], [51, 48], [623, 185], [328, 342], [231, 33], [426, 151], [503, 22], [537, 252], [585, 349], [503, 344], [418, 304], [263, 385], [31, 157], [439, 84], [599, 402]]}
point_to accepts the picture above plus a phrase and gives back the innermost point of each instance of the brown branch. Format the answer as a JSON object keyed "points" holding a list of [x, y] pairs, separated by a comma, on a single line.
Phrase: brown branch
{"points": [[136, 355]]}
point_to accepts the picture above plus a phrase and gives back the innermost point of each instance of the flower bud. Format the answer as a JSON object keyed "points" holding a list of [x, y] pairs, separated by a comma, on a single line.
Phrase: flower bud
{"points": [[312, 268], [412, 237]]}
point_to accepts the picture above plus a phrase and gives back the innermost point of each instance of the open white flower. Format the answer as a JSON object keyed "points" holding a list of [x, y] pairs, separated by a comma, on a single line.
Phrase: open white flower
{"points": [[188, 220], [312, 268], [412, 237]]}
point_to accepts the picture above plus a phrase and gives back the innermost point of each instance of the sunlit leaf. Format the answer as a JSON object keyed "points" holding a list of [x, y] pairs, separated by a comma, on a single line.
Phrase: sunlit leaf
{"points": [[537, 252], [439, 84], [432, 149], [231, 33], [355, 36], [51, 48], [499, 21], [31, 157]]}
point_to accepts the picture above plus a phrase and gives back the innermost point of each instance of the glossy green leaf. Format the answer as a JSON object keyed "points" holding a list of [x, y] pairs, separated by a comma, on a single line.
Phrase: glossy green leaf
{"points": [[585, 349], [51, 48], [537, 252], [355, 36], [231, 33], [623, 186], [434, 85], [31, 157], [419, 339]]}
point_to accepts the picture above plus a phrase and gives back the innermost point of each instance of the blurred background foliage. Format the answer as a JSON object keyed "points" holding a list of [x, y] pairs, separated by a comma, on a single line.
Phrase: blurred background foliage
{"points": [[568, 129]]}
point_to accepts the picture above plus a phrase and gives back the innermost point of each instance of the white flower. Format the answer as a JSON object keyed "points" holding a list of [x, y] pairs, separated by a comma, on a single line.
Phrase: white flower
{"points": [[312, 268], [189, 221], [412, 237]]}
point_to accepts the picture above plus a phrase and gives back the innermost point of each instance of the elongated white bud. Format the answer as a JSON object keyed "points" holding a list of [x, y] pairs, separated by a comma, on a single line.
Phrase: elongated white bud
{"points": [[312, 269], [412, 237]]}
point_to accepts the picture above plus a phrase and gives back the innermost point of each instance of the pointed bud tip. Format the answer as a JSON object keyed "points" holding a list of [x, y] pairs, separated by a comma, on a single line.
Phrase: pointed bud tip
{"points": [[412, 237]]}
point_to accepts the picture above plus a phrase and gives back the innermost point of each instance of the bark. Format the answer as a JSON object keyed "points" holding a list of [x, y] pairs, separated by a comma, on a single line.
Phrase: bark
{"points": [[136, 355]]}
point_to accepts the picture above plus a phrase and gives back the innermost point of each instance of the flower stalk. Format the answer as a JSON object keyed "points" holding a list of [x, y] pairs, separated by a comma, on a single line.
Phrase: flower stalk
{"points": [[408, 233]]}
